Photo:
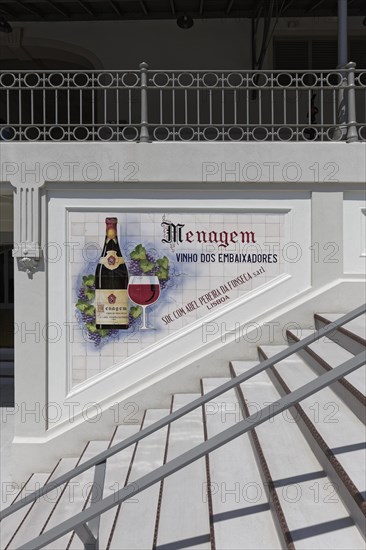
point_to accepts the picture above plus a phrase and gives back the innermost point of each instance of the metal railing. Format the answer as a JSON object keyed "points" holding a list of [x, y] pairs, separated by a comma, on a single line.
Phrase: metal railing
{"points": [[86, 523], [147, 105]]}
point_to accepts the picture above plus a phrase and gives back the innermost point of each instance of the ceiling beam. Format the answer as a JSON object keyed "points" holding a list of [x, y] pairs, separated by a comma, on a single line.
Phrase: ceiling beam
{"points": [[115, 7], [144, 8], [8, 13], [229, 6], [313, 5], [86, 8], [60, 10], [287, 6], [31, 10]]}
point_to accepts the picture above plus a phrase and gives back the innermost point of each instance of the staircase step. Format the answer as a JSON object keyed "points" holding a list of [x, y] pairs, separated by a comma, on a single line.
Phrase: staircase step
{"points": [[10, 524], [37, 516], [316, 518], [241, 512], [324, 355], [136, 518], [330, 418], [75, 496], [183, 521], [351, 336]]}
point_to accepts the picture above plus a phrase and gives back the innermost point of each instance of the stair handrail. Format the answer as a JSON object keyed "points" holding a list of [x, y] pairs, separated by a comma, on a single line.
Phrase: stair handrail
{"points": [[79, 522], [145, 432]]}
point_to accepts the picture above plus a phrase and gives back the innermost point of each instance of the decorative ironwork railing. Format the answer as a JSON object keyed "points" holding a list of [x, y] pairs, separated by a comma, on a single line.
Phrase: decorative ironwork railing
{"points": [[147, 105]]}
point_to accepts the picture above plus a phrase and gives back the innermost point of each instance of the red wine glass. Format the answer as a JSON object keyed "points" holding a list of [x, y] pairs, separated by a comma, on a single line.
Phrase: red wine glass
{"points": [[144, 290]]}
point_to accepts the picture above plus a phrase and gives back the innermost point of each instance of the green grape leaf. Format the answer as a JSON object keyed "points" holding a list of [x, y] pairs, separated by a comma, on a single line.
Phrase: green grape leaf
{"points": [[146, 265], [163, 262], [90, 310], [88, 280], [162, 273], [139, 253], [90, 294], [136, 311], [91, 327], [81, 305], [103, 332]]}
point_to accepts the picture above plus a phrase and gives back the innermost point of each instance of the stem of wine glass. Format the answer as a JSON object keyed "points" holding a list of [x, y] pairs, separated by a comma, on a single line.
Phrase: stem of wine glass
{"points": [[143, 326]]}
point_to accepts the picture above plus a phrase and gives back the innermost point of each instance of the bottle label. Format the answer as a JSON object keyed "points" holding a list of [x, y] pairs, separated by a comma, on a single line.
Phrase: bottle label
{"points": [[111, 307], [111, 260]]}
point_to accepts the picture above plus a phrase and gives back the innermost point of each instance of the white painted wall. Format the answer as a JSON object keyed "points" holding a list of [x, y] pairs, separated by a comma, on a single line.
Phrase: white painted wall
{"points": [[310, 177]]}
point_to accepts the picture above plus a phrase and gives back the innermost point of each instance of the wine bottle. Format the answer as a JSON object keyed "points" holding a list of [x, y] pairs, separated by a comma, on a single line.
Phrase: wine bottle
{"points": [[111, 281]]}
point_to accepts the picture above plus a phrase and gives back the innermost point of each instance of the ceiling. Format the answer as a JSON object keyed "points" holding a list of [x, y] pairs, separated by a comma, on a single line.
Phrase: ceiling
{"points": [[108, 10]]}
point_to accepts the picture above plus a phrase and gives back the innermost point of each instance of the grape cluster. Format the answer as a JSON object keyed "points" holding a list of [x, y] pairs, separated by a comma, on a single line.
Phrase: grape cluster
{"points": [[82, 295], [134, 267], [88, 318], [95, 337]]}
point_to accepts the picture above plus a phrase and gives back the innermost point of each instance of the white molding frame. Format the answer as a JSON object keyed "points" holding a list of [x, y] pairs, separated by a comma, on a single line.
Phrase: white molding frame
{"points": [[170, 354], [354, 233]]}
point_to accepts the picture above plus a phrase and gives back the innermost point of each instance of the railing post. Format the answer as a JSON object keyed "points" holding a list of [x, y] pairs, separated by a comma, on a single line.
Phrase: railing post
{"points": [[144, 130], [352, 134]]}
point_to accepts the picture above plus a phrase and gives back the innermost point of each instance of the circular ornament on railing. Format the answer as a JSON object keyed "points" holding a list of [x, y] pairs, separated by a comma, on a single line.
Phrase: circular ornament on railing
{"points": [[105, 133], [81, 133], [7, 80], [335, 133], [335, 79], [161, 133], [8, 133], [210, 80], [235, 80], [130, 80], [360, 79], [259, 80], [81, 80], [309, 133], [284, 80], [130, 133], [285, 133], [160, 80], [185, 80], [362, 133], [309, 79], [235, 133], [105, 80], [56, 80], [260, 133], [186, 133], [32, 133], [31, 80], [210, 133], [56, 133]]}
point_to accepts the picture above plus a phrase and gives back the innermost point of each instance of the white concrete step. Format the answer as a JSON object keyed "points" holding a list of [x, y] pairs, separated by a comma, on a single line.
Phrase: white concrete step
{"points": [[37, 516], [333, 355], [115, 477], [355, 330], [136, 518], [184, 516], [315, 515], [339, 427], [241, 514], [75, 496], [10, 524]]}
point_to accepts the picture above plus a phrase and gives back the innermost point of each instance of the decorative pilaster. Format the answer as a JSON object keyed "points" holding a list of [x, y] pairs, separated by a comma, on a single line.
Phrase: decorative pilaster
{"points": [[27, 222]]}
